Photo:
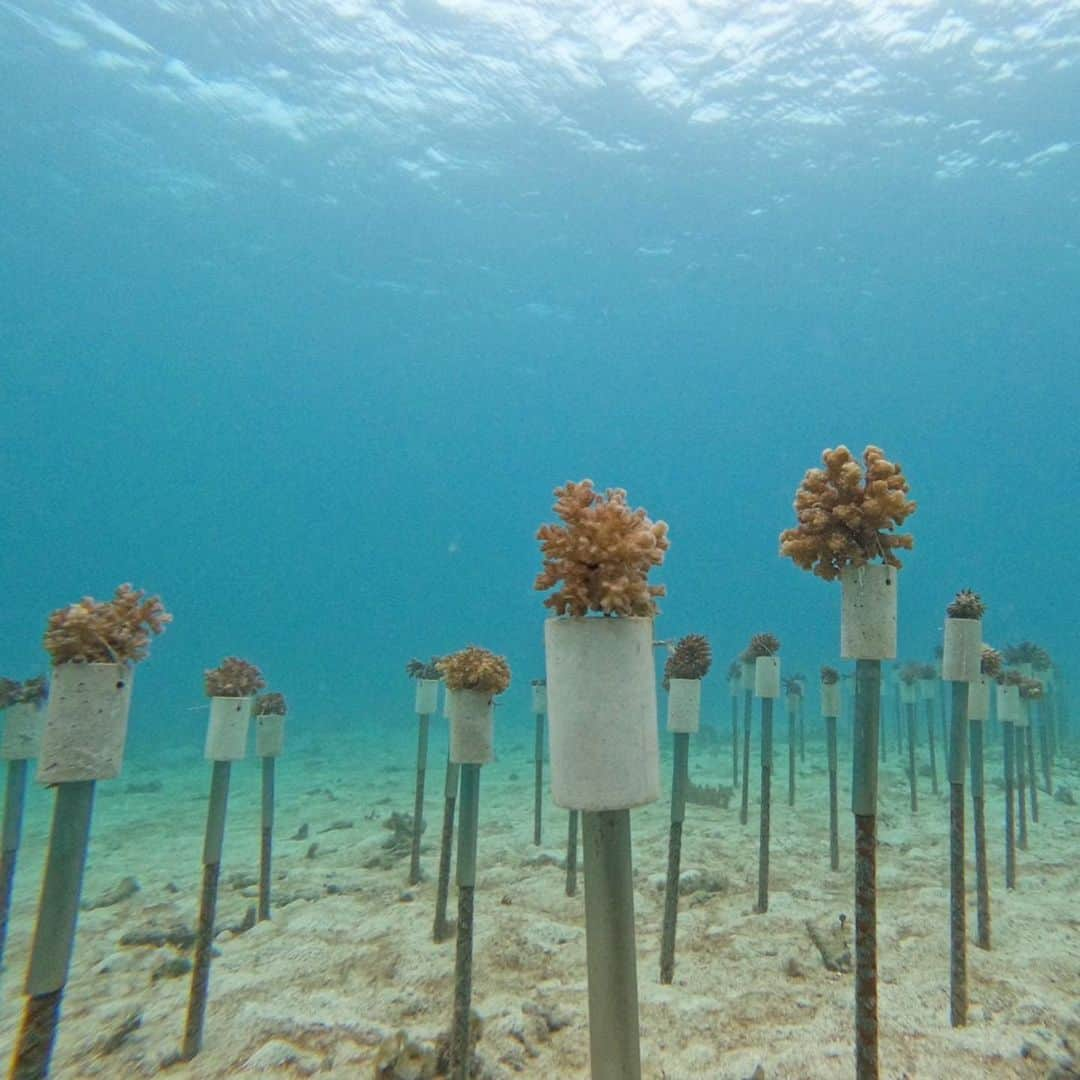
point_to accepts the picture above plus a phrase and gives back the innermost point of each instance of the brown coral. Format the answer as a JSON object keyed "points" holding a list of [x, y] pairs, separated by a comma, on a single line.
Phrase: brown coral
{"points": [[843, 513], [991, 662], [9, 692], [966, 605], [829, 676], [690, 659], [602, 554], [911, 673], [272, 704], [33, 692], [1027, 652], [1010, 677], [233, 677], [114, 631], [475, 669], [417, 669], [1031, 689], [761, 645], [793, 686]]}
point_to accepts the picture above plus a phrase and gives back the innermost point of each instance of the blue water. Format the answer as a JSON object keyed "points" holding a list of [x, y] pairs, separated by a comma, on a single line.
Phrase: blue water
{"points": [[306, 307]]}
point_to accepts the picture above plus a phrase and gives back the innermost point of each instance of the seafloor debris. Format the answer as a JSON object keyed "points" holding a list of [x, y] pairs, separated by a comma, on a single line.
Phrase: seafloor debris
{"points": [[832, 943], [123, 890]]}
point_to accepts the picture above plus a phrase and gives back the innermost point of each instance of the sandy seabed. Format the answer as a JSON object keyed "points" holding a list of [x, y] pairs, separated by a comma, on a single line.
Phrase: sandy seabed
{"points": [[348, 960]]}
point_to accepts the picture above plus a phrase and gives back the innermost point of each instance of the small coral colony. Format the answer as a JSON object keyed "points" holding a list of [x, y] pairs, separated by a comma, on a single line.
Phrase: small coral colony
{"points": [[598, 697]]}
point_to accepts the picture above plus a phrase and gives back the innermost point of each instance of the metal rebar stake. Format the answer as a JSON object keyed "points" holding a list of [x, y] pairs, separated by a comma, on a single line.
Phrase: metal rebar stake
{"points": [[978, 811], [461, 1029], [611, 955], [54, 933], [791, 757], [1042, 709], [766, 805], [571, 853], [864, 805], [748, 712], [802, 731], [913, 782], [204, 933], [266, 848], [958, 746], [1021, 789], [1033, 785], [442, 929], [14, 801], [1009, 746], [681, 745], [418, 798], [734, 740], [538, 779], [931, 739], [834, 809]]}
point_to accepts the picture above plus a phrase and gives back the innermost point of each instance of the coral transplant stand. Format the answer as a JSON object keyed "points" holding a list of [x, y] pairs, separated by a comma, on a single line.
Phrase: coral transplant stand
{"points": [[226, 742], [19, 745], [867, 636], [83, 742], [605, 760]]}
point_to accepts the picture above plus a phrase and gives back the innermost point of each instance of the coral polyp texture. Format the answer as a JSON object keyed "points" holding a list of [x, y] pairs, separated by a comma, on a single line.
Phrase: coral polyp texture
{"points": [[113, 631], [233, 677], [761, 645], [845, 512], [601, 554], [272, 704], [991, 662], [418, 669], [690, 659], [829, 676], [966, 605], [475, 669]]}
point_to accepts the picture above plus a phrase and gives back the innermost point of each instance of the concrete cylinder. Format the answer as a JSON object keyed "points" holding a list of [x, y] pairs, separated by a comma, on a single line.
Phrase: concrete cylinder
{"points": [[961, 660], [23, 724], [830, 700], [86, 723], [601, 683], [226, 733], [684, 706], [472, 727], [427, 697], [269, 736], [868, 612], [767, 677]]}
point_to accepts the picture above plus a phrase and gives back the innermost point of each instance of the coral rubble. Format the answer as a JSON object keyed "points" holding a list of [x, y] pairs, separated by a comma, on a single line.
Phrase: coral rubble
{"points": [[474, 668], [110, 632], [843, 513], [233, 677], [602, 554]]}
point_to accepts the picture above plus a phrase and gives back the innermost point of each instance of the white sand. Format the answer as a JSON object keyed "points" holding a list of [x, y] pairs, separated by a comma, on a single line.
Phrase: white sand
{"points": [[321, 986]]}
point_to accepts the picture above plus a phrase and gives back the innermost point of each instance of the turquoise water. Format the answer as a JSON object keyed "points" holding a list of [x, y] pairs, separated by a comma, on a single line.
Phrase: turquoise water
{"points": [[306, 306]]}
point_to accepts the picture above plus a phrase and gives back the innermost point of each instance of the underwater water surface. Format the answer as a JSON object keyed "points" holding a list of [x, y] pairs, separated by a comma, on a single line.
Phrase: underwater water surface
{"points": [[306, 306]]}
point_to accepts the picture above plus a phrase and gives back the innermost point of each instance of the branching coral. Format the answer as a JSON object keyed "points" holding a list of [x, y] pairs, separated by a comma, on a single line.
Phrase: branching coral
{"points": [[475, 669], [1010, 677], [829, 676], [233, 677], [272, 704], [34, 691], [843, 513], [793, 686], [734, 670], [927, 671], [761, 645], [602, 554], [417, 669], [1027, 652], [991, 663], [911, 673], [114, 631], [690, 659], [966, 605], [9, 692]]}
